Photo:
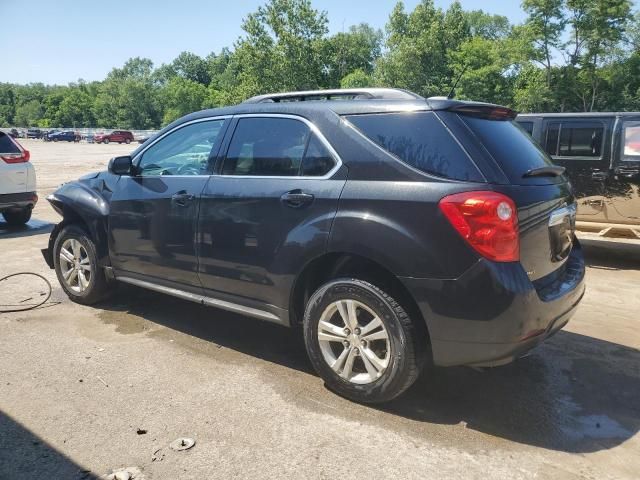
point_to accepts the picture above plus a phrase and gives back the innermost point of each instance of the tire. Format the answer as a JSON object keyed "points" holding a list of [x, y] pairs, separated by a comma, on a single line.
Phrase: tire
{"points": [[97, 287], [105, 141], [127, 141], [55, 139], [17, 217], [402, 348]]}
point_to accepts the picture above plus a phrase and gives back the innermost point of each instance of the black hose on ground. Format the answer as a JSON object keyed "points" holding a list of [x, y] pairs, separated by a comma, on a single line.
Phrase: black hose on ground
{"points": [[18, 307]]}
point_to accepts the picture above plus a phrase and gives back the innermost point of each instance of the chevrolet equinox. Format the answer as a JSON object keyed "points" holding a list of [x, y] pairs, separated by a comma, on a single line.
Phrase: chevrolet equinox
{"points": [[396, 230]]}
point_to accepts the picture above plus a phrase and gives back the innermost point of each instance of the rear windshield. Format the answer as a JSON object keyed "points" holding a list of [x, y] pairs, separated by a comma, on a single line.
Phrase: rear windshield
{"points": [[420, 140], [510, 146], [7, 145]]}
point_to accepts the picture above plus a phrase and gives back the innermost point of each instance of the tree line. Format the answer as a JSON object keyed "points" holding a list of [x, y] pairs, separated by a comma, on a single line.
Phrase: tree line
{"points": [[568, 55]]}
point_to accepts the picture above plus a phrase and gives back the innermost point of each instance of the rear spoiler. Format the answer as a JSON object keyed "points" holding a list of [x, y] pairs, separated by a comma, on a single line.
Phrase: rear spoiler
{"points": [[487, 111]]}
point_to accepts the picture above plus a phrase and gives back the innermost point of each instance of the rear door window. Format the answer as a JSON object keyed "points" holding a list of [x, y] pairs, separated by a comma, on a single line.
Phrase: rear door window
{"points": [[511, 147], [276, 147], [420, 140]]}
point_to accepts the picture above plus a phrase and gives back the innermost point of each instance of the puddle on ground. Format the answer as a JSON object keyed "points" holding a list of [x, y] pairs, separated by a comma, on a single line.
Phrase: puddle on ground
{"points": [[124, 322]]}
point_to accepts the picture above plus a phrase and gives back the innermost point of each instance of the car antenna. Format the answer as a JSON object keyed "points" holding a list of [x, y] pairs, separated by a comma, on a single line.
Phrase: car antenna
{"points": [[452, 93]]}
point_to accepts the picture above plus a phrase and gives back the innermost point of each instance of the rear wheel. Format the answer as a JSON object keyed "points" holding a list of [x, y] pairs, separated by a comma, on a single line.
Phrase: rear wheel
{"points": [[76, 264], [18, 216], [361, 341]]}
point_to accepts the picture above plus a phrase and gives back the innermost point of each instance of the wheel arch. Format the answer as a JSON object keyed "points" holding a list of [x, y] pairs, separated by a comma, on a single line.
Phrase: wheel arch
{"points": [[334, 265], [83, 206]]}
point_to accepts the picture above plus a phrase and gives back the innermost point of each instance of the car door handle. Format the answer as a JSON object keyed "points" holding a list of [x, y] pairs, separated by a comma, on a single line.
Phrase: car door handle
{"points": [[296, 198], [599, 176], [182, 198]]}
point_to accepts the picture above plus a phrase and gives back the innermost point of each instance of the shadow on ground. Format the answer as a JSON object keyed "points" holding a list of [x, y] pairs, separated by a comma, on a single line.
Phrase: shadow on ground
{"points": [[33, 227], [574, 393], [24, 455], [611, 254]]}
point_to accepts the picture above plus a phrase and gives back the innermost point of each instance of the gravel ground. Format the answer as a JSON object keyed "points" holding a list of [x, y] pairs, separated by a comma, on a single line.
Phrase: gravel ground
{"points": [[86, 391]]}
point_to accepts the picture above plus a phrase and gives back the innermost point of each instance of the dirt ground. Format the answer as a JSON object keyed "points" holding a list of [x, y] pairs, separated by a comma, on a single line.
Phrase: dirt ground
{"points": [[85, 391]]}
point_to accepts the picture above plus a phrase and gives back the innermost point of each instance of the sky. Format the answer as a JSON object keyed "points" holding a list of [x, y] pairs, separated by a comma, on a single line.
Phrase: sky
{"points": [[61, 41]]}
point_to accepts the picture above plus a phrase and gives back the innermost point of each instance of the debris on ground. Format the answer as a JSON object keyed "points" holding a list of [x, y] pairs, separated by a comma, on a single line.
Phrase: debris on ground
{"points": [[182, 444]]}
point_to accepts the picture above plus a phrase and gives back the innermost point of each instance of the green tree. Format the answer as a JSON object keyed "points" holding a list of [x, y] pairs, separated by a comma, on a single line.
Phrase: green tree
{"points": [[357, 79], [545, 24], [345, 52], [180, 97], [29, 113]]}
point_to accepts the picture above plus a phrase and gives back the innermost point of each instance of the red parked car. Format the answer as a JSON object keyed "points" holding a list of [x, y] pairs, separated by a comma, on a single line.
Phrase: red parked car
{"points": [[120, 136]]}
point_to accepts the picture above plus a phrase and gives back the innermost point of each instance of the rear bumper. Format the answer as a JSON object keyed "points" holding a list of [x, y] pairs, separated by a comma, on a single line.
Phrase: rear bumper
{"points": [[493, 313], [18, 200]]}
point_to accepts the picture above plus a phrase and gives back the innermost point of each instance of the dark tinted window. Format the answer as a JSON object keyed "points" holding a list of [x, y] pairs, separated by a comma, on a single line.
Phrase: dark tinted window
{"points": [[420, 140], [575, 139], [317, 160], [510, 146], [7, 145], [266, 147], [527, 127]]}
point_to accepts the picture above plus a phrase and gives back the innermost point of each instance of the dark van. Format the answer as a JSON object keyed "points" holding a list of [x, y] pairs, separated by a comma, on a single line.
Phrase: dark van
{"points": [[601, 152]]}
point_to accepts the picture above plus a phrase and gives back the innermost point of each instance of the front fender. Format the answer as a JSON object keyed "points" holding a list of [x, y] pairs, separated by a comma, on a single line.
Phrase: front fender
{"points": [[87, 202]]}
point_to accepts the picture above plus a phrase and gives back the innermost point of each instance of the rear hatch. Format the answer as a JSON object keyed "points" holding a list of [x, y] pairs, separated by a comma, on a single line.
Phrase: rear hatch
{"points": [[13, 170], [517, 167]]}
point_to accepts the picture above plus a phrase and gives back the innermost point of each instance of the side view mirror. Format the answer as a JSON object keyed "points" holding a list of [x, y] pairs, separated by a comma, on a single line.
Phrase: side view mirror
{"points": [[120, 165]]}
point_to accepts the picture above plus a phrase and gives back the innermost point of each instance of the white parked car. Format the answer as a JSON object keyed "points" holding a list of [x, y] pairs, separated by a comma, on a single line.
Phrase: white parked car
{"points": [[17, 182]]}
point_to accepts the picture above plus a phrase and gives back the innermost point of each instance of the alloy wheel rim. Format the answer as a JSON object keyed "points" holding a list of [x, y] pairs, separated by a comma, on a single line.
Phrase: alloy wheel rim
{"points": [[354, 341], [75, 265]]}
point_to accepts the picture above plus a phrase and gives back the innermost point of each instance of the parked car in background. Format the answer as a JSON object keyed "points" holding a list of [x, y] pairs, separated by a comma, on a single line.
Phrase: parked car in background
{"points": [[142, 138], [17, 182], [393, 228], [34, 133], [64, 136], [601, 152], [120, 136]]}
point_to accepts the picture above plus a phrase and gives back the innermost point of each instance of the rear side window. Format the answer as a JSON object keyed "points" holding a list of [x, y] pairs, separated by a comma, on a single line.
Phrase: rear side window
{"points": [[7, 145], [575, 139], [276, 147], [510, 146], [420, 140]]}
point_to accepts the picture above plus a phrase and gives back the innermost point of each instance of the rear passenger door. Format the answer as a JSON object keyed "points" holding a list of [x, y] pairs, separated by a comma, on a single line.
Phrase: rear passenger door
{"points": [[583, 147], [268, 210]]}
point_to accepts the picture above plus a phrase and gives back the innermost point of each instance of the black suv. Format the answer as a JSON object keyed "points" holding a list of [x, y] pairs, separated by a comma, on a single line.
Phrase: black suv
{"points": [[395, 229]]}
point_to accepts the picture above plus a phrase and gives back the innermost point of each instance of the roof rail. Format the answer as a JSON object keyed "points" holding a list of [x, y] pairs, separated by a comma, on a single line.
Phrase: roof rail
{"points": [[337, 94]]}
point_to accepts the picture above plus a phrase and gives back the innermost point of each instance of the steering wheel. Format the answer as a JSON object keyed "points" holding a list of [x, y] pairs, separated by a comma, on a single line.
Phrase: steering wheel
{"points": [[189, 169]]}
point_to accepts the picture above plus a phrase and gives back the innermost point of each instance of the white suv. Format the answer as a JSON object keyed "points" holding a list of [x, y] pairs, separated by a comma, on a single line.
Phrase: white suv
{"points": [[17, 182]]}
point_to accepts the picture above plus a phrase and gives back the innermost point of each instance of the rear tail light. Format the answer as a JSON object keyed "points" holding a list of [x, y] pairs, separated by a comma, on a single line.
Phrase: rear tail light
{"points": [[487, 221], [18, 157]]}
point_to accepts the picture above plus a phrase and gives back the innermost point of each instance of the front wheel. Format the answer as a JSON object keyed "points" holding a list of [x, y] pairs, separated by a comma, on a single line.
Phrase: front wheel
{"points": [[77, 269], [106, 141], [361, 341], [127, 141], [17, 217]]}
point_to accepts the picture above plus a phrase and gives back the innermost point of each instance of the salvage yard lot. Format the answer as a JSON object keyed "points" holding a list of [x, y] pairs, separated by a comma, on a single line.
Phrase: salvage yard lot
{"points": [[87, 390]]}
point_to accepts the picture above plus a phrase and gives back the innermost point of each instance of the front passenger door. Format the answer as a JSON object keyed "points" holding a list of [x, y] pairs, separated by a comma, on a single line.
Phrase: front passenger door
{"points": [[153, 215]]}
